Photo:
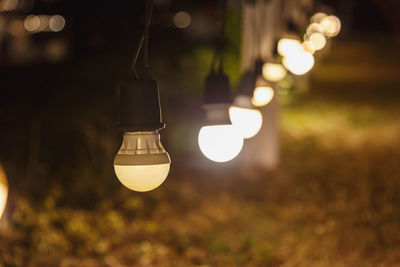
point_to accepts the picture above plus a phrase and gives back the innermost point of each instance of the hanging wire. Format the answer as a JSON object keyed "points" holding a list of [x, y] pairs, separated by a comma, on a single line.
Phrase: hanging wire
{"points": [[144, 39], [220, 41]]}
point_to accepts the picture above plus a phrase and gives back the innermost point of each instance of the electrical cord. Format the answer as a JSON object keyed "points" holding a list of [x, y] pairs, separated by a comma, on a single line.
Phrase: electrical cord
{"points": [[220, 41], [144, 39]]}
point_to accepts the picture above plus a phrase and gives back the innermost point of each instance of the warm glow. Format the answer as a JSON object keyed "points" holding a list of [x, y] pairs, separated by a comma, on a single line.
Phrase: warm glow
{"points": [[3, 190], [317, 17], [330, 25], [318, 39], [32, 23], [308, 46], [299, 63], [313, 28], [288, 46], [220, 143], [56, 23], [142, 178], [262, 96], [273, 72], [141, 164], [182, 19], [247, 121]]}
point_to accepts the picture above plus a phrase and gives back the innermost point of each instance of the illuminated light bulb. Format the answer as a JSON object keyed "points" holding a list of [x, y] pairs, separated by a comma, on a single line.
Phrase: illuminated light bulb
{"points": [[182, 19], [330, 25], [287, 46], [142, 164], [317, 17], [3, 190], [56, 23], [273, 72], [32, 23], [220, 143], [308, 46], [299, 63], [313, 28], [248, 121], [262, 96], [43, 22], [318, 39]]}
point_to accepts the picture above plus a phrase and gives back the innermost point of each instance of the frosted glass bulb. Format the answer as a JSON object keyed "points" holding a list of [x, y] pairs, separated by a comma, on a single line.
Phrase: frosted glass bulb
{"points": [[331, 25], [318, 39], [3, 190], [142, 164], [262, 96], [220, 143], [299, 63], [287, 46], [247, 121], [273, 72]]}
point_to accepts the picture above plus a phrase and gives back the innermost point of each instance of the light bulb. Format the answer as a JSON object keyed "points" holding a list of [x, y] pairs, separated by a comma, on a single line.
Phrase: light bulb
{"points": [[318, 39], [262, 96], [331, 25], [308, 46], [220, 143], [247, 121], [287, 46], [317, 17], [3, 190], [299, 63], [141, 164], [273, 72]]}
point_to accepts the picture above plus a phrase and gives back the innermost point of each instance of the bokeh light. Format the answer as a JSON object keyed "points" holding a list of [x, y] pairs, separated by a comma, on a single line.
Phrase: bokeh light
{"points": [[318, 39], [288, 46], [182, 19], [3, 190], [299, 63], [248, 121], [314, 28], [262, 96], [32, 23], [220, 143], [308, 46], [273, 72], [331, 26], [56, 23], [317, 17]]}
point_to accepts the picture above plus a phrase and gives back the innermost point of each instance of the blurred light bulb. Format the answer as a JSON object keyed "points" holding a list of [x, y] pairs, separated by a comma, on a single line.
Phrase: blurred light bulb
{"points": [[313, 28], [317, 17], [318, 39], [287, 46], [330, 25], [299, 63], [3, 190], [308, 46], [273, 72], [56, 23], [247, 121], [141, 164], [182, 19], [262, 96], [220, 143], [32, 23]]}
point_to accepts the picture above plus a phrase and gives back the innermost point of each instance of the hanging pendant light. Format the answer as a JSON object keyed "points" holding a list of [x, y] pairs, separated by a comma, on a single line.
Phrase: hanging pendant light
{"points": [[218, 139], [243, 114], [141, 164]]}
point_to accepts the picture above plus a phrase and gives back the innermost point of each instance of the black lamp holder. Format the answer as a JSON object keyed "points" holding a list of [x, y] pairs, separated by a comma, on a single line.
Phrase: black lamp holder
{"points": [[139, 100]]}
